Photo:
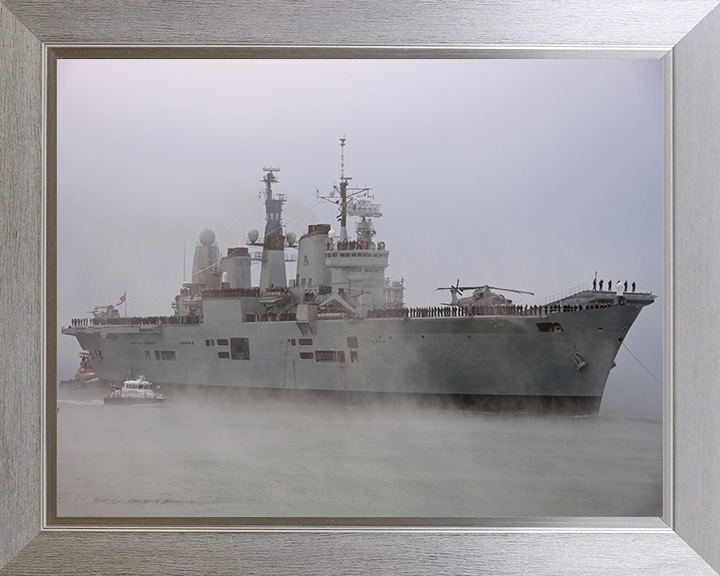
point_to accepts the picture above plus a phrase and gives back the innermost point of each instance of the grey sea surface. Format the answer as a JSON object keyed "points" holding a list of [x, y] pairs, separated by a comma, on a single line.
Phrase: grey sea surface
{"points": [[226, 454]]}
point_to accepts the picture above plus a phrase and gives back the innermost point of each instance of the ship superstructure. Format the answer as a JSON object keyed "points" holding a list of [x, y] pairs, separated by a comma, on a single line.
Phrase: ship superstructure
{"points": [[341, 325]]}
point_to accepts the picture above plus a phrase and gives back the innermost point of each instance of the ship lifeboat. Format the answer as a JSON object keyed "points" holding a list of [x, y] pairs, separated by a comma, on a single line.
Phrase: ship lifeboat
{"points": [[274, 297]]}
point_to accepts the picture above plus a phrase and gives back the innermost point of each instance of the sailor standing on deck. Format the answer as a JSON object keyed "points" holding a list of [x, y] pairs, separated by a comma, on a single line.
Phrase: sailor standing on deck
{"points": [[619, 293]]}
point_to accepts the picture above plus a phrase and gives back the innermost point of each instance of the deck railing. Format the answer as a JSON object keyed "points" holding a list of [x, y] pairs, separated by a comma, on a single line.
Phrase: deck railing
{"points": [[136, 321], [413, 312], [561, 295]]}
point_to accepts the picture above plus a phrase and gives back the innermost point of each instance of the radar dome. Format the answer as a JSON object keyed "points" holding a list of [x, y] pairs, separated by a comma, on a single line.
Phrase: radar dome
{"points": [[331, 234], [291, 237], [207, 237], [253, 235]]}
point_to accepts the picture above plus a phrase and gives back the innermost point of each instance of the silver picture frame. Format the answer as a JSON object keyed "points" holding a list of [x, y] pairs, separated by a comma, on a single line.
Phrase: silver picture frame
{"points": [[686, 34]]}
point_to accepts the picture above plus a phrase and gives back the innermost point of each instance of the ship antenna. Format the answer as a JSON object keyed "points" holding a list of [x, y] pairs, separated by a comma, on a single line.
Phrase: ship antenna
{"points": [[342, 157], [343, 192]]}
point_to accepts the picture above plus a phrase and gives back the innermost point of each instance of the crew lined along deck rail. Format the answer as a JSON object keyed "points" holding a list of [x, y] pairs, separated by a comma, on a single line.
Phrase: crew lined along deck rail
{"points": [[458, 311], [235, 292], [429, 312], [136, 321]]}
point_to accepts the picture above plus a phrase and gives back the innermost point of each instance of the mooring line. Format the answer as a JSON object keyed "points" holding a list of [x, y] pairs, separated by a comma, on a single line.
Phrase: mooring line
{"points": [[641, 364]]}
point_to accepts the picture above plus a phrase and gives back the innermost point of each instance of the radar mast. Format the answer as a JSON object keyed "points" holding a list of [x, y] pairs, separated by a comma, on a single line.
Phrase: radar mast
{"points": [[272, 269], [343, 192], [350, 202]]}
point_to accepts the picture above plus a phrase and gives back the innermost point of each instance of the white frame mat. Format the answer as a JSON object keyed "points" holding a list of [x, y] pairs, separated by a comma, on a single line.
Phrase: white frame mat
{"points": [[685, 33]]}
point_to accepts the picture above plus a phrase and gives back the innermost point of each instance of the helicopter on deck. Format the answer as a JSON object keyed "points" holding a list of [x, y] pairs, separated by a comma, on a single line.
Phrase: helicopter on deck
{"points": [[481, 296]]}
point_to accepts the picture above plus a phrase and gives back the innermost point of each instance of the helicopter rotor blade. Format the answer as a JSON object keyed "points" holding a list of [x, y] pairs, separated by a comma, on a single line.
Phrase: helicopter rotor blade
{"points": [[453, 289], [460, 289], [511, 290]]}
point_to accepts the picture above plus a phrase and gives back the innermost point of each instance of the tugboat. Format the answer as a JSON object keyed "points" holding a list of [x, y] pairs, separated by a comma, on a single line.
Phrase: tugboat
{"points": [[134, 391], [85, 373], [341, 325]]}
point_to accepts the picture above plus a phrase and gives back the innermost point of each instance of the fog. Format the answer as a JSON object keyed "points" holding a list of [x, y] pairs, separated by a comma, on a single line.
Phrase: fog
{"points": [[241, 455], [526, 174]]}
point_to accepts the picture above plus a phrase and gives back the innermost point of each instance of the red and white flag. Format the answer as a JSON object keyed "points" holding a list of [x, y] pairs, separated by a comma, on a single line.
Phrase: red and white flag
{"points": [[121, 301]]}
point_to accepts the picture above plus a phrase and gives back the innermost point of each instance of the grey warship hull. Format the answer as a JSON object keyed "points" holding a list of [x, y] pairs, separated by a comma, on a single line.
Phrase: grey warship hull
{"points": [[341, 326], [555, 360]]}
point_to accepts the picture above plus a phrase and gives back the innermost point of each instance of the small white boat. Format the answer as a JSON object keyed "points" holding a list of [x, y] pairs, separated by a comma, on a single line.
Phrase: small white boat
{"points": [[134, 391]]}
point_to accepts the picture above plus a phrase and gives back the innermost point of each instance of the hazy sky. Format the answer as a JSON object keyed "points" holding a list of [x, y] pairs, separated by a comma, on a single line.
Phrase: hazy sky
{"points": [[526, 174]]}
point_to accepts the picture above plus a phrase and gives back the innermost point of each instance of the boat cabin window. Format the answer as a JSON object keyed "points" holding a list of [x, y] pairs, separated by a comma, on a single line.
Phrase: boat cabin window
{"points": [[147, 355], [341, 357], [157, 354], [352, 341], [223, 354], [306, 356], [240, 348], [222, 342], [305, 341], [167, 354], [353, 356]]}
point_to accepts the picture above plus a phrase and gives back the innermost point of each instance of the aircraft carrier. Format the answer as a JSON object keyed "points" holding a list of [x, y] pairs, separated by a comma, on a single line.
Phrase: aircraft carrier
{"points": [[341, 326]]}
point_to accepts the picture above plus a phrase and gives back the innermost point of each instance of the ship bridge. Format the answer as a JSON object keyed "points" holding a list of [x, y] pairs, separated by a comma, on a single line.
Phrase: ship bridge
{"points": [[352, 255]]}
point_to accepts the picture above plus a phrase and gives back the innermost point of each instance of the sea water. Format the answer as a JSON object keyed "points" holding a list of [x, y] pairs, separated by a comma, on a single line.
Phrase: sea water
{"points": [[236, 455]]}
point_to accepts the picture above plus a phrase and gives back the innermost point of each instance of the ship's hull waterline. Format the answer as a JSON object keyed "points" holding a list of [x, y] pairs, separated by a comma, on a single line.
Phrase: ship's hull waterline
{"points": [[509, 362]]}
